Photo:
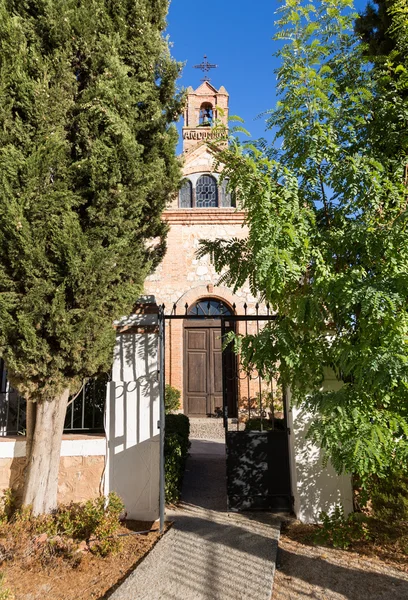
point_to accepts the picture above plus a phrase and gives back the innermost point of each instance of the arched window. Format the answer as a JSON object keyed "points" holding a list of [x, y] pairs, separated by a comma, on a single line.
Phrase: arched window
{"points": [[210, 307], [206, 192], [206, 115], [186, 194], [226, 199]]}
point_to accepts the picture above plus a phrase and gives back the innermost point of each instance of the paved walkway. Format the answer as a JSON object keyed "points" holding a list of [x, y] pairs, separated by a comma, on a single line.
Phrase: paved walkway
{"points": [[209, 554]]}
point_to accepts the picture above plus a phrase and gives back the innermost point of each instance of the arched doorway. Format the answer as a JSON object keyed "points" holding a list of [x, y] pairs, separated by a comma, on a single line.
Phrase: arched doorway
{"points": [[203, 360]]}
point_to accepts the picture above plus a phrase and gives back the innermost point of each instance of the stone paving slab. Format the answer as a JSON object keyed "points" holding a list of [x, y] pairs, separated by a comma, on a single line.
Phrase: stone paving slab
{"points": [[208, 554]]}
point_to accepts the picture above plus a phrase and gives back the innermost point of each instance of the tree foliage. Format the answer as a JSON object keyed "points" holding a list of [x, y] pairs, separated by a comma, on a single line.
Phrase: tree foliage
{"points": [[327, 246], [87, 163], [373, 26]]}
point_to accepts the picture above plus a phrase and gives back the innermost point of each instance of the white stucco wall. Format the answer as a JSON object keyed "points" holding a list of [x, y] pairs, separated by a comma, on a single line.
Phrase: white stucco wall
{"points": [[315, 487], [80, 446], [132, 415]]}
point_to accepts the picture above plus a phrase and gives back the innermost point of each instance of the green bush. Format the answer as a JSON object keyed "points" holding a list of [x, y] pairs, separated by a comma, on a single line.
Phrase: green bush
{"points": [[340, 531], [95, 521], [255, 424], [176, 446], [7, 505], [171, 399], [389, 498]]}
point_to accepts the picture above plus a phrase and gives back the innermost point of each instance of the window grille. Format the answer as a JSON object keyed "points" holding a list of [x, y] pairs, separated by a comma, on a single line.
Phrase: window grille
{"points": [[12, 407], [186, 195], [209, 307], [206, 192]]}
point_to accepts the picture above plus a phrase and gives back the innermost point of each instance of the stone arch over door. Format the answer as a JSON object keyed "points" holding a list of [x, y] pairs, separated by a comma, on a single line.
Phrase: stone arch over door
{"points": [[209, 290]]}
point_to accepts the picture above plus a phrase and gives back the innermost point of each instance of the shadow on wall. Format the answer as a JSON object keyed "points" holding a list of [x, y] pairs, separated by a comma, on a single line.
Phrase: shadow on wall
{"points": [[319, 488], [132, 424]]}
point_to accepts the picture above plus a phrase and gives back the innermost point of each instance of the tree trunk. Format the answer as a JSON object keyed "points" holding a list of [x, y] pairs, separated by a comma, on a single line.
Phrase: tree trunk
{"points": [[43, 454], [31, 412]]}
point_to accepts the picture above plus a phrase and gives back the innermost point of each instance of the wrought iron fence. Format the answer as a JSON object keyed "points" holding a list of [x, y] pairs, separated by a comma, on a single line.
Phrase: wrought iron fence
{"points": [[85, 411], [251, 401]]}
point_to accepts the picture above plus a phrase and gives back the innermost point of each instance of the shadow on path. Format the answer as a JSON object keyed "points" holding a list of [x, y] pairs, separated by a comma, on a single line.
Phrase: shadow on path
{"points": [[335, 582], [208, 554], [205, 478]]}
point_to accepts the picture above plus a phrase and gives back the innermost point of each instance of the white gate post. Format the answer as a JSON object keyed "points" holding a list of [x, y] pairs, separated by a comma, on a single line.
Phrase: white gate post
{"points": [[315, 487], [132, 414]]}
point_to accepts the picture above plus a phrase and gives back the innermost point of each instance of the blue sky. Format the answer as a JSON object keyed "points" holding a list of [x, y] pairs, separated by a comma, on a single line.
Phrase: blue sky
{"points": [[235, 35]]}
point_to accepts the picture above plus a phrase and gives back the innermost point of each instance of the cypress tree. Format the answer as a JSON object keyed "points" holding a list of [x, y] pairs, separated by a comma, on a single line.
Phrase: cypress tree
{"points": [[373, 25], [87, 164]]}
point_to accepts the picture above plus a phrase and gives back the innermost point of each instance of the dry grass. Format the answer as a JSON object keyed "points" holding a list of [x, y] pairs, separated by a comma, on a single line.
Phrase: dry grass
{"points": [[35, 568], [375, 569]]}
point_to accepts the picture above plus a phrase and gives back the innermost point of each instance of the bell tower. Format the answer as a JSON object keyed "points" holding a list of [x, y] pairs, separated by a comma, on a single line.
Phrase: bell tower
{"points": [[205, 108]]}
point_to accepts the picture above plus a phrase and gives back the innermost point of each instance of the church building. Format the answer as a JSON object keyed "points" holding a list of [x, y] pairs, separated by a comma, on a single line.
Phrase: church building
{"points": [[203, 209]]}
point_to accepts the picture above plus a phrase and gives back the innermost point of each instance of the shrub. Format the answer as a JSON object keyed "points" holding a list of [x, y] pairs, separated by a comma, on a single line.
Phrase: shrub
{"points": [[7, 505], [171, 399], [95, 521], [267, 425], [176, 446], [389, 498], [340, 531]]}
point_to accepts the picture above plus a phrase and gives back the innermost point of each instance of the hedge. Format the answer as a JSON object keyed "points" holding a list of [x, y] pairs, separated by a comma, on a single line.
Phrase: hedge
{"points": [[171, 399], [267, 424], [176, 446]]}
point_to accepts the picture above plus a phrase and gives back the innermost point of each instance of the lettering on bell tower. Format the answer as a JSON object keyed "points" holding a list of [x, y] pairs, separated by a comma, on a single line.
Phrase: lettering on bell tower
{"points": [[205, 113]]}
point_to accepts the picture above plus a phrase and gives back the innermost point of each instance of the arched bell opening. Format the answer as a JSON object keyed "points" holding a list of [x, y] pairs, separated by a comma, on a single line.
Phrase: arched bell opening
{"points": [[206, 115]]}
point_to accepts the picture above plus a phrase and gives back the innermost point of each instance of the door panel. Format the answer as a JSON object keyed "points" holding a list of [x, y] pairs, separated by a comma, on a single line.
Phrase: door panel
{"points": [[197, 340], [196, 371], [196, 405], [216, 369], [203, 370]]}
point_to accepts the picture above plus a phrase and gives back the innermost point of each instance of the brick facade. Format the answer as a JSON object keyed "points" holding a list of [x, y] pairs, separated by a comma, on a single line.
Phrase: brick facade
{"points": [[182, 277]]}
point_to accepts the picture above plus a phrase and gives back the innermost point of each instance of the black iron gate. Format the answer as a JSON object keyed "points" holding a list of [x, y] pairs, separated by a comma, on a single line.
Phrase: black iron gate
{"points": [[254, 413]]}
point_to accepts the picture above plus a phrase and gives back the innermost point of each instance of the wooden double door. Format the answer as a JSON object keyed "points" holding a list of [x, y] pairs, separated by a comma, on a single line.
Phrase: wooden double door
{"points": [[203, 381]]}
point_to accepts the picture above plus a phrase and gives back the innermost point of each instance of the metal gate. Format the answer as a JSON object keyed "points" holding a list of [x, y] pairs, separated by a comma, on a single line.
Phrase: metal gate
{"points": [[256, 433]]}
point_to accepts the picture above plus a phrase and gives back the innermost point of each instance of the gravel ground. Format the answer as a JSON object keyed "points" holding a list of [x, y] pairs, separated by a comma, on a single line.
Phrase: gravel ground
{"points": [[309, 572]]}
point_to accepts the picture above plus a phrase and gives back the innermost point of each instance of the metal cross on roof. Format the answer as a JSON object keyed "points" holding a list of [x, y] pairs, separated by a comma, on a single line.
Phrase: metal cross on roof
{"points": [[205, 68]]}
